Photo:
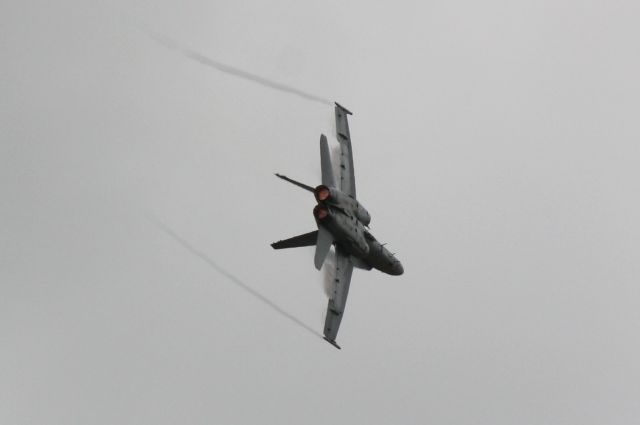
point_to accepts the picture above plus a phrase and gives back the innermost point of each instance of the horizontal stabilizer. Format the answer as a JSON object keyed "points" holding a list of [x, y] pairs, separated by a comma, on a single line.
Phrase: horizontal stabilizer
{"points": [[297, 183], [308, 239]]}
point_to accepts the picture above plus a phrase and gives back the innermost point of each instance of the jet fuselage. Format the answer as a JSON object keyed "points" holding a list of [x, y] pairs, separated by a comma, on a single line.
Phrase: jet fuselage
{"points": [[346, 220]]}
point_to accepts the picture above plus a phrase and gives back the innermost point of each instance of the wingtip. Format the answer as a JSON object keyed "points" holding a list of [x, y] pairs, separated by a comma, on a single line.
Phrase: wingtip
{"points": [[332, 343], [343, 108]]}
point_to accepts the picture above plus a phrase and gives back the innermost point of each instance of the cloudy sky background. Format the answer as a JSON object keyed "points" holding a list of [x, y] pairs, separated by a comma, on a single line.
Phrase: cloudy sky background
{"points": [[497, 147]]}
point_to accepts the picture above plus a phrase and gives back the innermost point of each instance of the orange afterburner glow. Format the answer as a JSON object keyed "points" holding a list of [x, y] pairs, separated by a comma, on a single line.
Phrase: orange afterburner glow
{"points": [[322, 193], [321, 212]]}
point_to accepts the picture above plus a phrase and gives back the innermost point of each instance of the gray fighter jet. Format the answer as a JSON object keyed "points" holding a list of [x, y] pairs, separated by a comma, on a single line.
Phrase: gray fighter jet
{"points": [[343, 222]]}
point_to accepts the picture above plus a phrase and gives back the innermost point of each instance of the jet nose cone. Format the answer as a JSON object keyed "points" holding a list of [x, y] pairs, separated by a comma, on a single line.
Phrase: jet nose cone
{"points": [[398, 269]]}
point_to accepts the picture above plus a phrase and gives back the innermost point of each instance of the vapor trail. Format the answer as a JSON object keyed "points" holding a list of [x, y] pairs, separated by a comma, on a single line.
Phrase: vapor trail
{"points": [[231, 277], [173, 45]]}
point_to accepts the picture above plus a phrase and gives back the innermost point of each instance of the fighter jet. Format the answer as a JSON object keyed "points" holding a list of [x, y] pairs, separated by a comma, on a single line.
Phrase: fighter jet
{"points": [[342, 222]]}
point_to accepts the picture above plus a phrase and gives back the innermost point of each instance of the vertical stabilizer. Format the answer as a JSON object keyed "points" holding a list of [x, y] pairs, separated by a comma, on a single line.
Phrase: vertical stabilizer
{"points": [[323, 245], [325, 162]]}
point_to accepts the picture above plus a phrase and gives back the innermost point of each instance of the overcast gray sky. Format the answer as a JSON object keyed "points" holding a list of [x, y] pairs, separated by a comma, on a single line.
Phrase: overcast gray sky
{"points": [[497, 146]]}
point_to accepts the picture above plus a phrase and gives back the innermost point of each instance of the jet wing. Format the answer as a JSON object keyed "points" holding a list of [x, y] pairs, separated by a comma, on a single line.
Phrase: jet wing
{"points": [[347, 175], [338, 298]]}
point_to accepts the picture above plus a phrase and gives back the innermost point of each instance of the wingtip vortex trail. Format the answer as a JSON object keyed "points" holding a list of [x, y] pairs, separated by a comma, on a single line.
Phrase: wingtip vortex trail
{"points": [[230, 70]]}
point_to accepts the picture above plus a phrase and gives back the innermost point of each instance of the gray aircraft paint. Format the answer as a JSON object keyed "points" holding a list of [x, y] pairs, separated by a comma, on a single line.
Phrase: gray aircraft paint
{"points": [[504, 135], [341, 221]]}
